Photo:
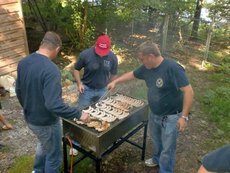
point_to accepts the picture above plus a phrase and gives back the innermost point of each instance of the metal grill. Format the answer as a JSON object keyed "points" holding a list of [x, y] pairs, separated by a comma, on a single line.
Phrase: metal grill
{"points": [[96, 144]]}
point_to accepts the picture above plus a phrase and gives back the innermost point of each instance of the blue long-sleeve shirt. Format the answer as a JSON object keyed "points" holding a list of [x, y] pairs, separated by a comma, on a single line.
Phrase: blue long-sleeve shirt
{"points": [[38, 88]]}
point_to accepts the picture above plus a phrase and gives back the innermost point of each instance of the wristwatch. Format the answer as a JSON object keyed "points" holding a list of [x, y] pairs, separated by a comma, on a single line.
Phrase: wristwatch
{"points": [[185, 117]]}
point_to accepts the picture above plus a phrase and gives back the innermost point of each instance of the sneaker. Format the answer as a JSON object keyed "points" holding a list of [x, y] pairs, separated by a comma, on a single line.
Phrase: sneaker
{"points": [[73, 152], [150, 163]]}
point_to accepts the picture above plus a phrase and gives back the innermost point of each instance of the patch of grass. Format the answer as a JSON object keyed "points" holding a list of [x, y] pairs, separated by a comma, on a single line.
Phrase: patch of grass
{"points": [[85, 166], [220, 78], [23, 164], [216, 105]]}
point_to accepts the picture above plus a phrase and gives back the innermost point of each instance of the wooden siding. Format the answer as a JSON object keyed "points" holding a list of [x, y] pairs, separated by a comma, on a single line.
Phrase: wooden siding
{"points": [[13, 40]]}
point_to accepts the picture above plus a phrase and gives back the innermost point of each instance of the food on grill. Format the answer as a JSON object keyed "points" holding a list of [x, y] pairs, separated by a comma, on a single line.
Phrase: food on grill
{"points": [[99, 126], [78, 121], [129, 100], [110, 109], [103, 127], [90, 109], [94, 124], [109, 118]]}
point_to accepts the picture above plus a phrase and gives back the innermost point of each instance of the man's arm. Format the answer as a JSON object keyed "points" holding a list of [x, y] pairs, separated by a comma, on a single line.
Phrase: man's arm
{"points": [[187, 104], [78, 80], [113, 77], [125, 77]]}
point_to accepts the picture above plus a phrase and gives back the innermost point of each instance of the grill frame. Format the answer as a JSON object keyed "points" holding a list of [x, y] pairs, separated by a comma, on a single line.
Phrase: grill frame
{"points": [[96, 144]]}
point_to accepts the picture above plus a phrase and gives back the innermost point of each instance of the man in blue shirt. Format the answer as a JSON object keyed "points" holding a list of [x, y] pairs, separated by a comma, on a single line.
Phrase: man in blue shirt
{"points": [[100, 67], [39, 91], [170, 98]]}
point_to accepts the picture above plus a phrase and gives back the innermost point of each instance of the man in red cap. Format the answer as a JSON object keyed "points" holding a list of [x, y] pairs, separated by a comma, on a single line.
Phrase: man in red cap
{"points": [[100, 67]]}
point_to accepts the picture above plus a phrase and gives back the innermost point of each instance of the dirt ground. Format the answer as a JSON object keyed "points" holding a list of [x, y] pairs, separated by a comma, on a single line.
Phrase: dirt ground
{"points": [[127, 158]]}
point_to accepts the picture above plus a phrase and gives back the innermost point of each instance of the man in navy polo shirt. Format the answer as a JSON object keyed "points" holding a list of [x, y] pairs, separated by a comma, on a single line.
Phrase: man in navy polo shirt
{"points": [[170, 98], [100, 67]]}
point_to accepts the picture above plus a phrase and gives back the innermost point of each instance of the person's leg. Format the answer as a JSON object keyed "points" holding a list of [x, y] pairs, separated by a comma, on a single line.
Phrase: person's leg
{"points": [[97, 94], [48, 153], [85, 98], [6, 124], [41, 134], [54, 156], [155, 134], [169, 138]]}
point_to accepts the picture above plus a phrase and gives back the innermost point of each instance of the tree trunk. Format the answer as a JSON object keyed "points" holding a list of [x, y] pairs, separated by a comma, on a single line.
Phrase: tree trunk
{"points": [[196, 19]]}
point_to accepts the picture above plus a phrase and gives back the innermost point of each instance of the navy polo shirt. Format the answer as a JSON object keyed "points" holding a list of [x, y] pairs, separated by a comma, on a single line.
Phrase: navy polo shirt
{"points": [[164, 83], [97, 70]]}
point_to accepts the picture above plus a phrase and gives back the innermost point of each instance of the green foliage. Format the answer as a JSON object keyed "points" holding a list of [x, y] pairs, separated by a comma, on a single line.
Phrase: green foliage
{"points": [[23, 164], [69, 18], [220, 78], [225, 68], [219, 9], [67, 75], [217, 103]]}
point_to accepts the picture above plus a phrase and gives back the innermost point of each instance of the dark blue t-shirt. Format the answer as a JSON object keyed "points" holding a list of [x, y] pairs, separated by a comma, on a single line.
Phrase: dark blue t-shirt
{"points": [[164, 83], [97, 70]]}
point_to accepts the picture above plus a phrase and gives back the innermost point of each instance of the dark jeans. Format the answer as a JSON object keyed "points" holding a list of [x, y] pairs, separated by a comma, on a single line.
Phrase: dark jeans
{"points": [[89, 97]]}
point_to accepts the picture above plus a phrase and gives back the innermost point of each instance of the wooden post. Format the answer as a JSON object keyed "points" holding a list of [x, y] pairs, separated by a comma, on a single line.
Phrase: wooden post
{"points": [[208, 41], [164, 34]]}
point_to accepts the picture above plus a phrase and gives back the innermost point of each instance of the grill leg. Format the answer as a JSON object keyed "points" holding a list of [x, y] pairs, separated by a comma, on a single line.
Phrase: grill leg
{"points": [[65, 155], [144, 141], [98, 165]]}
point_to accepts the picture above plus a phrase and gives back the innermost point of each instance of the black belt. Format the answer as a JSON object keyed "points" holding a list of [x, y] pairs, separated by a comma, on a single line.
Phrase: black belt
{"points": [[176, 112]]}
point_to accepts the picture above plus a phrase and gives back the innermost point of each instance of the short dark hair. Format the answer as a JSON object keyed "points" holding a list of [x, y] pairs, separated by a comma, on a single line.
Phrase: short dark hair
{"points": [[148, 47], [51, 40]]}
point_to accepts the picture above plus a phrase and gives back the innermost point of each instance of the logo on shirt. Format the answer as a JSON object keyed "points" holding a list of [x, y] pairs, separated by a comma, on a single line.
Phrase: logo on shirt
{"points": [[159, 82], [106, 63]]}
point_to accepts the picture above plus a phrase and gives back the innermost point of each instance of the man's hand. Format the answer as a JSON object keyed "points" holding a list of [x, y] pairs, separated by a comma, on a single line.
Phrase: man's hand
{"points": [[181, 124], [85, 117], [111, 86], [81, 88]]}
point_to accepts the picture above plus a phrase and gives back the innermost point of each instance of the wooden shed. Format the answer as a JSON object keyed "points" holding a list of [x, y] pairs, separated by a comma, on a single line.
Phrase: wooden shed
{"points": [[13, 40]]}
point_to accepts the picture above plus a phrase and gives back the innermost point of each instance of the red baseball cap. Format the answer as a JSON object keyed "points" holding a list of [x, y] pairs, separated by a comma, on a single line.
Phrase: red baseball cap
{"points": [[103, 45]]}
